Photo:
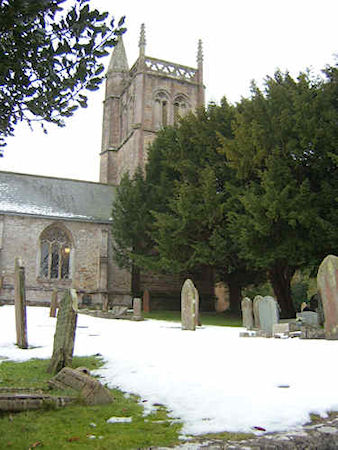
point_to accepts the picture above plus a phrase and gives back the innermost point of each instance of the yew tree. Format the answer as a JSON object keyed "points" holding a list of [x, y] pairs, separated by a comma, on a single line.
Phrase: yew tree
{"points": [[285, 154]]}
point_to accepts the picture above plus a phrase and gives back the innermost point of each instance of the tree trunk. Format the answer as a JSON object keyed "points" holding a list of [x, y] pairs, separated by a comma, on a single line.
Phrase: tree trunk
{"points": [[135, 281], [280, 277], [235, 295]]}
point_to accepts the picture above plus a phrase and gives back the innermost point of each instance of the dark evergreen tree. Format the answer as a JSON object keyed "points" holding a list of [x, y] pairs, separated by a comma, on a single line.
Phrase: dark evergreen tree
{"points": [[284, 152]]}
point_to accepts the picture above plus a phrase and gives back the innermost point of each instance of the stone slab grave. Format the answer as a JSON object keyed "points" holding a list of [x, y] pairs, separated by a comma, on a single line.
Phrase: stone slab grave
{"points": [[90, 389], [64, 333], [20, 400], [247, 314], [327, 283], [189, 306], [268, 314], [20, 304], [137, 309], [308, 318]]}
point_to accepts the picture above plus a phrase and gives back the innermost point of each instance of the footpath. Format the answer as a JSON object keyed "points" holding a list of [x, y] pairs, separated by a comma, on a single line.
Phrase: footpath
{"points": [[316, 436]]}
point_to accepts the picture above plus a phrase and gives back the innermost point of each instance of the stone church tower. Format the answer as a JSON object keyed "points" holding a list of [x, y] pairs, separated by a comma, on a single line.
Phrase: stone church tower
{"points": [[138, 102]]}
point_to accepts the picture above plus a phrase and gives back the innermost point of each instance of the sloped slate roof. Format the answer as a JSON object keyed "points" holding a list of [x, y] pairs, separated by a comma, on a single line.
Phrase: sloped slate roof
{"points": [[55, 197]]}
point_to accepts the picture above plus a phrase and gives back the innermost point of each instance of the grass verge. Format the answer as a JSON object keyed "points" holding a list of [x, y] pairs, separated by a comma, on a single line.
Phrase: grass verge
{"points": [[79, 426], [206, 318]]}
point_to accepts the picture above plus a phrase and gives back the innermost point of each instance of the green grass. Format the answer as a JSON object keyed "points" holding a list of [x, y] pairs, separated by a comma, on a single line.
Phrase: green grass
{"points": [[206, 318], [72, 427]]}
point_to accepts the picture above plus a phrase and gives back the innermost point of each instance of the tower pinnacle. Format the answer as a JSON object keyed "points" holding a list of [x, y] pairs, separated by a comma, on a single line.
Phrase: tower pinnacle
{"points": [[142, 41], [200, 52]]}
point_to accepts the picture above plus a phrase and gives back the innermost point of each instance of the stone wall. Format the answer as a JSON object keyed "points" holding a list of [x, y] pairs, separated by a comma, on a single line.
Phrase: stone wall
{"points": [[92, 270]]}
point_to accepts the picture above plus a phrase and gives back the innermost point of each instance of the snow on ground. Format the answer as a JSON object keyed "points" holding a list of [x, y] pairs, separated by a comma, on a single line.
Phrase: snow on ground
{"points": [[211, 379]]}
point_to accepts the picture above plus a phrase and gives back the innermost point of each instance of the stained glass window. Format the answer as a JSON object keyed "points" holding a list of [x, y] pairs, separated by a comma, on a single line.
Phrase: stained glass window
{"points": [[55, 248]]}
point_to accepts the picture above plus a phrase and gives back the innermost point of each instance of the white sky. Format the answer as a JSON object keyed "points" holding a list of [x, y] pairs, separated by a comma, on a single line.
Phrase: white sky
{"points": [[242, 40], [211, 379]]}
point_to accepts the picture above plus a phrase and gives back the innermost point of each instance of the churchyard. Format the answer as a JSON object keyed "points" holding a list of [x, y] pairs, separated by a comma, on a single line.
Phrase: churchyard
{"points": [[164, 382]]}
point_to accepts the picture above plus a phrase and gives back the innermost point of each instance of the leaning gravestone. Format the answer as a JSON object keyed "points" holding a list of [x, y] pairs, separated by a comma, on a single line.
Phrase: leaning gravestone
{"points": [[268, 314], [247, 316], [64, 333], [53, 303], [255, 305], [20, 305], [189, 306], [327, 282]]}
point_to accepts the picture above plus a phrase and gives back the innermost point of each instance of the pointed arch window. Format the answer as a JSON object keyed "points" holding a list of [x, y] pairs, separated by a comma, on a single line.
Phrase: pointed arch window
{"points": [[55, 252]]}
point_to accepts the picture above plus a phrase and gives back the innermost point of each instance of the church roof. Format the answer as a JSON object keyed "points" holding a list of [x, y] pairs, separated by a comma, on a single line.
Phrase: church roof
{"points": [[56, 198]]}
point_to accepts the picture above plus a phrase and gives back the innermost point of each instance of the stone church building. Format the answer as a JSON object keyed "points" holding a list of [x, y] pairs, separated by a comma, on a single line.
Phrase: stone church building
{"points": [[61, 228]]}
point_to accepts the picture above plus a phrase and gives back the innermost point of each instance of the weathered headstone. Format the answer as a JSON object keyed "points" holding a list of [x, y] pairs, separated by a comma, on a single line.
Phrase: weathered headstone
{"points": [[64, 333], [137, 309], [91, 390], [20, 305], [268, 314], [189, 306], [53, 303], [309, 318], [146, 301], [247, 316], [327, 282], [255, 304]]}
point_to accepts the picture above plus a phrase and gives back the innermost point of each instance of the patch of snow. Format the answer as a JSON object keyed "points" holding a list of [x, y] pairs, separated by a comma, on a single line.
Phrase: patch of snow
{"points": [[119, 420], [208, 373]]}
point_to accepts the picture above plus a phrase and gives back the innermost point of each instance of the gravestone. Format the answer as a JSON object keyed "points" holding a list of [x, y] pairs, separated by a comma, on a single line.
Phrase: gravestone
{"points": [[90, 389], [255, 304], [146, 301], [308, 318], [20, 305], [189, 306], [64, 332], [137, 309], [53, 303], [268, 314], [247, 316], [327, 282]]}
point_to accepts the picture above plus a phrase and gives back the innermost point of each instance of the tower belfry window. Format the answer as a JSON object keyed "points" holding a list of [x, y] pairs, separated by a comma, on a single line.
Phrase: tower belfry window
{"points": [[181, 107], [161, 110]]}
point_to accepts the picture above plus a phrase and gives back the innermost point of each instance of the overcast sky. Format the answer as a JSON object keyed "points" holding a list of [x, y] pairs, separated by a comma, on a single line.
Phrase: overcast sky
{"points": [[242, 40]]}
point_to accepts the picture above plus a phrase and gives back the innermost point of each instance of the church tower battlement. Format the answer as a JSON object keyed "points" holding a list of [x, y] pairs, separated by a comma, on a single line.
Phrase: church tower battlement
{"points": [[139, 101]]}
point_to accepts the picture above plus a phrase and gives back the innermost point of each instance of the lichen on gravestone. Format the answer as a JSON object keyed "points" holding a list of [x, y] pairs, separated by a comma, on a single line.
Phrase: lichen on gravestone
{"points": [[64, 336]]}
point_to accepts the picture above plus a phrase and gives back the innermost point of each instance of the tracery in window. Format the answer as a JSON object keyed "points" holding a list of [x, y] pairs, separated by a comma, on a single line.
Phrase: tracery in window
{"points": [[55, 250]]}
